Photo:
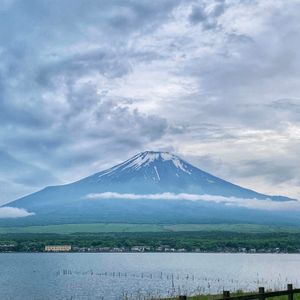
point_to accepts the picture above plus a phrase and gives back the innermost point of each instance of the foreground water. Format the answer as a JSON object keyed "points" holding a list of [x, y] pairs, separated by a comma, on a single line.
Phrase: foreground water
{"points": [[111, 276]]}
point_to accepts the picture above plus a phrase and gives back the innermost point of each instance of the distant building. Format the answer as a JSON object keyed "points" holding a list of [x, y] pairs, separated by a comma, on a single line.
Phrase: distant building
{"points": [[184, 250], [163, 248], [140, 248], [58, 248], [261, 251], [116, 249]]}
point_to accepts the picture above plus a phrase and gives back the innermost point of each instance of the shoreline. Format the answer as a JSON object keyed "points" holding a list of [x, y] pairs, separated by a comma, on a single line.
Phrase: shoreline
{"points": [[149, 252]]}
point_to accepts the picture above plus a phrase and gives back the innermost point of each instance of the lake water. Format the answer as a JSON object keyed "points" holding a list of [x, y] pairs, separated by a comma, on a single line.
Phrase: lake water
{"points": [[111, 276]]}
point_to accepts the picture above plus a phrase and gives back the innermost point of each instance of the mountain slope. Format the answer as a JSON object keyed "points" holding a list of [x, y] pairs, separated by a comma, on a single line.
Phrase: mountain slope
{"points": [[148, 173], [165, 172]]}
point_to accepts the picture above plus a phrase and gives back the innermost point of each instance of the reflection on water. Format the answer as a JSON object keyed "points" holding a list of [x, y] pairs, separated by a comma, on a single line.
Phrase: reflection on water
{"points": [[113, 276]]}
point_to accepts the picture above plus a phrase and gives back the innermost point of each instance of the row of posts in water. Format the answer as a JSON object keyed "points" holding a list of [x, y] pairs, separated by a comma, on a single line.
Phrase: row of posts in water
{"points": [[119, 274], [172, 276]]}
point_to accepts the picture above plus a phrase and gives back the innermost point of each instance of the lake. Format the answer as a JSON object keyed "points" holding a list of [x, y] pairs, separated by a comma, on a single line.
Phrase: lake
{"points": [[112, 276]]}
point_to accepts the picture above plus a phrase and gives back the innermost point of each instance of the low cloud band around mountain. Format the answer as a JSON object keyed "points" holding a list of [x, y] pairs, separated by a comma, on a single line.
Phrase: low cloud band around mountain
{"points": [[14, 212], [266, 204]]}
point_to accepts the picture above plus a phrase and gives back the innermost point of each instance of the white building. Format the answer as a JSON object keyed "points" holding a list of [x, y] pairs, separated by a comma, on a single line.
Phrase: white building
{"points": [[59, 248]]}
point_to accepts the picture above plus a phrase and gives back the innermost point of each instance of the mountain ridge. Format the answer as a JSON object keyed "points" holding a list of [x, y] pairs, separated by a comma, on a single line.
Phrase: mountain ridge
{"points": [[147, 173], [148, 158]]}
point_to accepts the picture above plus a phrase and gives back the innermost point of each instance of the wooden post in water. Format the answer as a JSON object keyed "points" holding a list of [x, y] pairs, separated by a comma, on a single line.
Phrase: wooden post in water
{"points": [[261, 290], [226, 294], [290, 287], [182, 297]]}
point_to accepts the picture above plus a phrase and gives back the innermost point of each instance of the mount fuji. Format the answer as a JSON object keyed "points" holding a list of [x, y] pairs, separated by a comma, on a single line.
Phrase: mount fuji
{"points": [[151, 187]]}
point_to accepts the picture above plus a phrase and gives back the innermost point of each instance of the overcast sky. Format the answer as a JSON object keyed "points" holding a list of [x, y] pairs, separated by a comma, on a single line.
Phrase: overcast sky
{"points": [[86, 84]]}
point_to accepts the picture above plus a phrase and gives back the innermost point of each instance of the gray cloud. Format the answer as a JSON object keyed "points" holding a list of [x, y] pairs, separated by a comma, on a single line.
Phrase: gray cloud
{"points": [[218, 10], [83, 65], [286, 104], [23, 173], [197, 15], [179, 129], [207, 19], [275, 173]]}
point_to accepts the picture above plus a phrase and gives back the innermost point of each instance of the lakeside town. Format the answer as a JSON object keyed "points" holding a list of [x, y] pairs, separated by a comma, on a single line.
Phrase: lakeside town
{"points": [[163, 248]]}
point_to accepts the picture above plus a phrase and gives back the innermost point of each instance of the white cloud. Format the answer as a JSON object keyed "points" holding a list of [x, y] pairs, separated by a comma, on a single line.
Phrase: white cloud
{"points": [[266, 204], [14, 212]]}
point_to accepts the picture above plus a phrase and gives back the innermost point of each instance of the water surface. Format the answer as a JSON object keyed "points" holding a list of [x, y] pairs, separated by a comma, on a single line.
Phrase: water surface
{"points": [[113, 276]]}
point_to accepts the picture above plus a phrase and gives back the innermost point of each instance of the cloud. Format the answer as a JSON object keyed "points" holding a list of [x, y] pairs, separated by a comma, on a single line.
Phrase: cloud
{"points": [[287, 109], [23, 173], [286, 104], [197, 15], [266, 204], [13, 212], [206, 16], [275, 173], [218, 10]]}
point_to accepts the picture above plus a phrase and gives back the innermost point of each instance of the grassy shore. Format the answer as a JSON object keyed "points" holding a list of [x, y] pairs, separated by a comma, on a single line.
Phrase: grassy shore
{"points": [[210, 297], [202, 297], [220, 296]]}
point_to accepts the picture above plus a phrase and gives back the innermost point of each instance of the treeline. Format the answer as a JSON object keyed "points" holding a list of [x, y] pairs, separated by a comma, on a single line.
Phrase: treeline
{"points": [[205, 241]]}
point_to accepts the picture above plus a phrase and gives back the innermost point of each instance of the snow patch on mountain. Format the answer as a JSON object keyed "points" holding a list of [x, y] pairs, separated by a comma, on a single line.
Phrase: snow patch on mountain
{"points": [[210, 181], [167, 156], [176, 161], [108, 172], [156, 173], [143, 160]]}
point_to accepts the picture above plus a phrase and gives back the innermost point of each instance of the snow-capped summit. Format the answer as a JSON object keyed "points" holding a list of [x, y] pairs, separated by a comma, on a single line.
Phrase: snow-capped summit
{"points": [[146, 158], [149, 165]]}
